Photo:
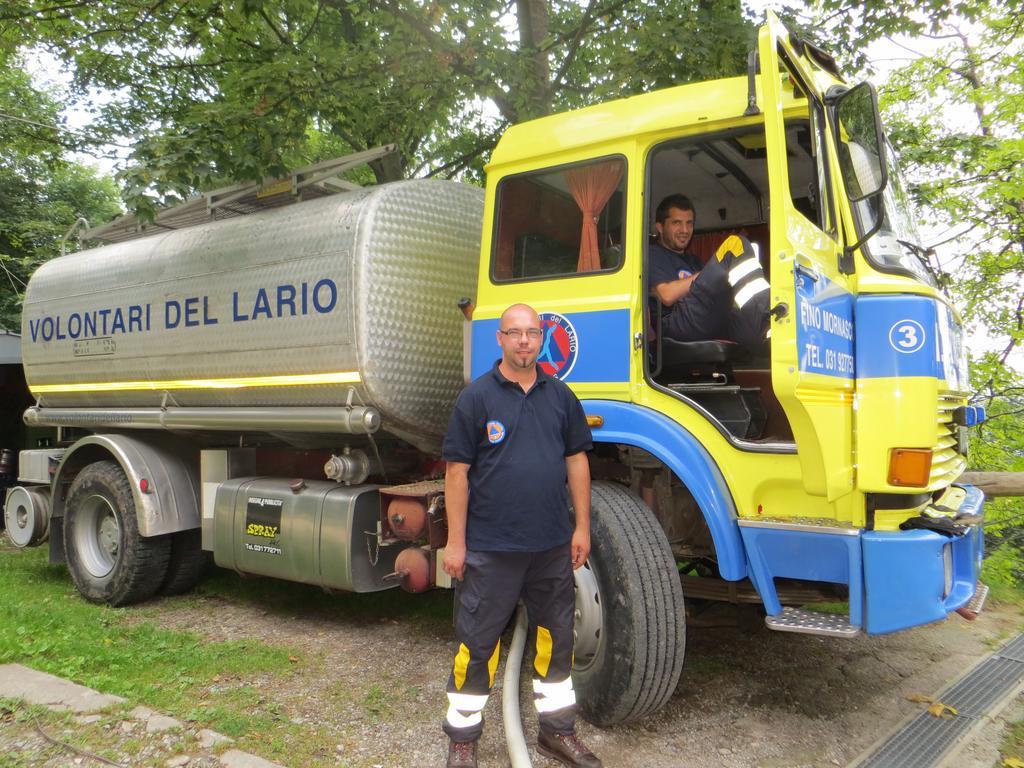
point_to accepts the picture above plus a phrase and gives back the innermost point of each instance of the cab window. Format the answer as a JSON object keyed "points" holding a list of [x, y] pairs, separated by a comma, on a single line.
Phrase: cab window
{"points": [[560, 222]]}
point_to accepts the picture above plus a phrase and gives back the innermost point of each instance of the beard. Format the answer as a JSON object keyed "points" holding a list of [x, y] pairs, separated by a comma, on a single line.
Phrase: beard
{"points": [[522, 360]]}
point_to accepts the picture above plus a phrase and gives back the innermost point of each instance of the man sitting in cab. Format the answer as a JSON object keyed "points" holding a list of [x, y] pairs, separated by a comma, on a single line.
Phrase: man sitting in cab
{"points": [[727, 298]]}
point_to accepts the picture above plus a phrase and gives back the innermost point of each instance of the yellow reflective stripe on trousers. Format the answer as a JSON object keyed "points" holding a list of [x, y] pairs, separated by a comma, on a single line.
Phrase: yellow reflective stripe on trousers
{"points": [[542, 660], [552, 697], [460, 666], [731, 244], [492, 664]]}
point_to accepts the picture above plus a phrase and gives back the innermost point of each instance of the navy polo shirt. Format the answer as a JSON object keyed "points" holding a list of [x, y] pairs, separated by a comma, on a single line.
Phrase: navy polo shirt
{"points": [[515, 443], [664, 266]]}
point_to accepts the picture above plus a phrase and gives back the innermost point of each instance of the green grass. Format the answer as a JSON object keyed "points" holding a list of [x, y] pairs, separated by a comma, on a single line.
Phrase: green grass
{"points": [[46, 625], [837, 608], [998, 572], [1013, 742]]}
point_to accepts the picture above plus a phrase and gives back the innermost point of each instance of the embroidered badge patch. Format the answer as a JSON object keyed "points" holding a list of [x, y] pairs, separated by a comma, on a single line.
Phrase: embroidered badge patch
{"points": [[495, 432]]}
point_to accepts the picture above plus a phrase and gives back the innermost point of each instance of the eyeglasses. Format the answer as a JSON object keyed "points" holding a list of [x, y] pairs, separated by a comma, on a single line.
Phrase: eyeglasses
{"points": [[516, 334]]}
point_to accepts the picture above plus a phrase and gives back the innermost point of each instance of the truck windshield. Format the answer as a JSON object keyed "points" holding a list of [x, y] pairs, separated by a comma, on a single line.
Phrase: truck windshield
{"points": [[897, 244]]}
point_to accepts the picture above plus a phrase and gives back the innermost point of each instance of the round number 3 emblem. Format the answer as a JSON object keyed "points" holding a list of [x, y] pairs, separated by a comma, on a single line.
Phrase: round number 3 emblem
{"points": [[907, 336]]}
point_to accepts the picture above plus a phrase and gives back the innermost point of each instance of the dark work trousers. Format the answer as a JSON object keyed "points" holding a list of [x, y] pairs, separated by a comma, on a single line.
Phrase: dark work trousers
{"points": [[728, 299], [484, 602]]}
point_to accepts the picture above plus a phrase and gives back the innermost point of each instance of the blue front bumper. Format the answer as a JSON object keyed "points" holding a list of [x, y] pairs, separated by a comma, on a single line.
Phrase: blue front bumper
{"points": [[896, 580], [916, 577]]}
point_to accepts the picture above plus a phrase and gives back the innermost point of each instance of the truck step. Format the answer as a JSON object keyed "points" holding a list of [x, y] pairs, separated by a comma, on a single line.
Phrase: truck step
{"points": [[973, 608], [811, 623]]}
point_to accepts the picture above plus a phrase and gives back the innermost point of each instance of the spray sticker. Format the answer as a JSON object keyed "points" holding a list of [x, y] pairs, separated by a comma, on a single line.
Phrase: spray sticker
{"points": [[263, 520]]}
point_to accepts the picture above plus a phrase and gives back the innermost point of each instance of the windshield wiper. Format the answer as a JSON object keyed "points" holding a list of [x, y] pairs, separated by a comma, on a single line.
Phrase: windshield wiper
{"points": [[923, 255]]}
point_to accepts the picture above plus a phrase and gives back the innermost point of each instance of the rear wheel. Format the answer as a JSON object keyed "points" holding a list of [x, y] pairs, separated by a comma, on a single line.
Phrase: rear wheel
{"points": [[189, 563], [630, 621], [109, 561]]}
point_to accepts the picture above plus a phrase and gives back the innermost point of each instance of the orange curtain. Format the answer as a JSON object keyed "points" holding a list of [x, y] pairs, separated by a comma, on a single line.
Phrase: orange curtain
{"points": [[592, 186]]}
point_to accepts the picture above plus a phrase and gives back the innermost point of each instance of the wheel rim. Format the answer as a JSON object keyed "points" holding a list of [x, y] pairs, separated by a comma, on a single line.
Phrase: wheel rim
{"points": [[588, 629], [97, 536]]}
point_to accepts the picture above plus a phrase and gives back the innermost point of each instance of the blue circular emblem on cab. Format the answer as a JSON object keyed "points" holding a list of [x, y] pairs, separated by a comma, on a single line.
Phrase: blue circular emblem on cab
{"points": [[495, 432]]}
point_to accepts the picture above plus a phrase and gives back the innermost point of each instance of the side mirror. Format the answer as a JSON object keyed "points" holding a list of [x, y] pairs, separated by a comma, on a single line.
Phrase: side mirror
{"points": [[860, 142]]}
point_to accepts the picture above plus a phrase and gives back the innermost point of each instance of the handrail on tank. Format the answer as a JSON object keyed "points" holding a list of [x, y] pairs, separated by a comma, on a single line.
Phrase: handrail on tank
{"points": [[80, 223], [356, 420]]}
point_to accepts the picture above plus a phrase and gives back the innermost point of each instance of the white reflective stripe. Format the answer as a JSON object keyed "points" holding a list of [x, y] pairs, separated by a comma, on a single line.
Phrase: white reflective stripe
{"points": [[547, 704], [468, 702], [553, 696], [750, 290], [456, 719], [742, 269], [547, 689]]}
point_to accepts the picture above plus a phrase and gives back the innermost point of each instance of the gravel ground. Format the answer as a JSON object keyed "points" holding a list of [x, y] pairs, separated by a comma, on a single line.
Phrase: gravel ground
{"points": [[374, 689]]}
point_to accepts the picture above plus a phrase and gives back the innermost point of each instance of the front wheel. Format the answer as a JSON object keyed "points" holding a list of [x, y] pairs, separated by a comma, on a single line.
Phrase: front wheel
{"points": [[109, 561], [630, 622]]}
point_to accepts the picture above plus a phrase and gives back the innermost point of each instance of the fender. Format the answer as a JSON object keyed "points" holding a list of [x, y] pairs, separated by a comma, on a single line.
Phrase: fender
{"points": [[170, 467], [680, 451]]}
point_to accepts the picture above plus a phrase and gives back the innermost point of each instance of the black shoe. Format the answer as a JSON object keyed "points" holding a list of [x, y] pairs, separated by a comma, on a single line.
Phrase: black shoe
{"points": [[462, 754], [567, 749]]}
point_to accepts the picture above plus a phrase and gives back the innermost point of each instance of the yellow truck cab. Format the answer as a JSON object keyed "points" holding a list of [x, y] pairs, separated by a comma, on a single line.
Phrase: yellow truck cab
{"points": [[830, 459]]}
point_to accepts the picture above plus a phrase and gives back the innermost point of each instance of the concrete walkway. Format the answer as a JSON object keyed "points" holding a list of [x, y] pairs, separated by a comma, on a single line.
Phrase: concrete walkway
{"points": [[190, 746]]}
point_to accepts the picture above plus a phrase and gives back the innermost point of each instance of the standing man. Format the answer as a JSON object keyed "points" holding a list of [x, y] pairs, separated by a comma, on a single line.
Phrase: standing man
{"points": [[516, 437], [727, 298]]}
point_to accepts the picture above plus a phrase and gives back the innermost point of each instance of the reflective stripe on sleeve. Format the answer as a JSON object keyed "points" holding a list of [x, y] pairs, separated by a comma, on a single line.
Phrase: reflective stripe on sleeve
{"points": [[750, 290]]}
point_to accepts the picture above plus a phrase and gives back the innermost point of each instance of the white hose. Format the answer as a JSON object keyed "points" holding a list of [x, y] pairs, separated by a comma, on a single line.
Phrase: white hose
{"points": [[518, 752]]}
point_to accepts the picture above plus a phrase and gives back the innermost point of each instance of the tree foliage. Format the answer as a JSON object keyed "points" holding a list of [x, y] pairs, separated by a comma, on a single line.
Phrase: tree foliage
{"points": [[228, 90], [41, 193]]}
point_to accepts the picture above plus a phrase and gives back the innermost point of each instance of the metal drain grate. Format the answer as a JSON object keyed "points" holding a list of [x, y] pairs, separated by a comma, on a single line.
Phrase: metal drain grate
{"points": [[1013, 649], [925, 740]]}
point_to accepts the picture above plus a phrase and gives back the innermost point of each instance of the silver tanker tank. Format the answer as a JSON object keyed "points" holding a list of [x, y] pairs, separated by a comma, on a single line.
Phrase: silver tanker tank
{"points": [[346, 299]]}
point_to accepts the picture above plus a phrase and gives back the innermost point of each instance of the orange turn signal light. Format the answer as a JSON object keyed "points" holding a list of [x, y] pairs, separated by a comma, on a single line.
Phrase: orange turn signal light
{"points": [[595, 421], [910, 466]]}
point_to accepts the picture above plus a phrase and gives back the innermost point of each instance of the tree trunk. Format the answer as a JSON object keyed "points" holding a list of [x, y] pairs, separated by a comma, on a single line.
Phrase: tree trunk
{"points": [[533, 29], [996, 483], [388, 168]]}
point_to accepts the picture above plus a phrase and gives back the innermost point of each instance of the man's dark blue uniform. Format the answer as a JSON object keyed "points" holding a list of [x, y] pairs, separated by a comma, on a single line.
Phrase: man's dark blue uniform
{"points": [[514, 443], [518, 533]]}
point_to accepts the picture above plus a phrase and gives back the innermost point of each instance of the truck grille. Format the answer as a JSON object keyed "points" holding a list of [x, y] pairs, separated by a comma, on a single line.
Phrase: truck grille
{"points": [[947, 463]]}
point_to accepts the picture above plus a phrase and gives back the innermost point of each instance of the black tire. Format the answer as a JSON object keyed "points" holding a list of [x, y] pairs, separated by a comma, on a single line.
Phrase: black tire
{"points": [[189, 563], [109, 561], [629, 652]]}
